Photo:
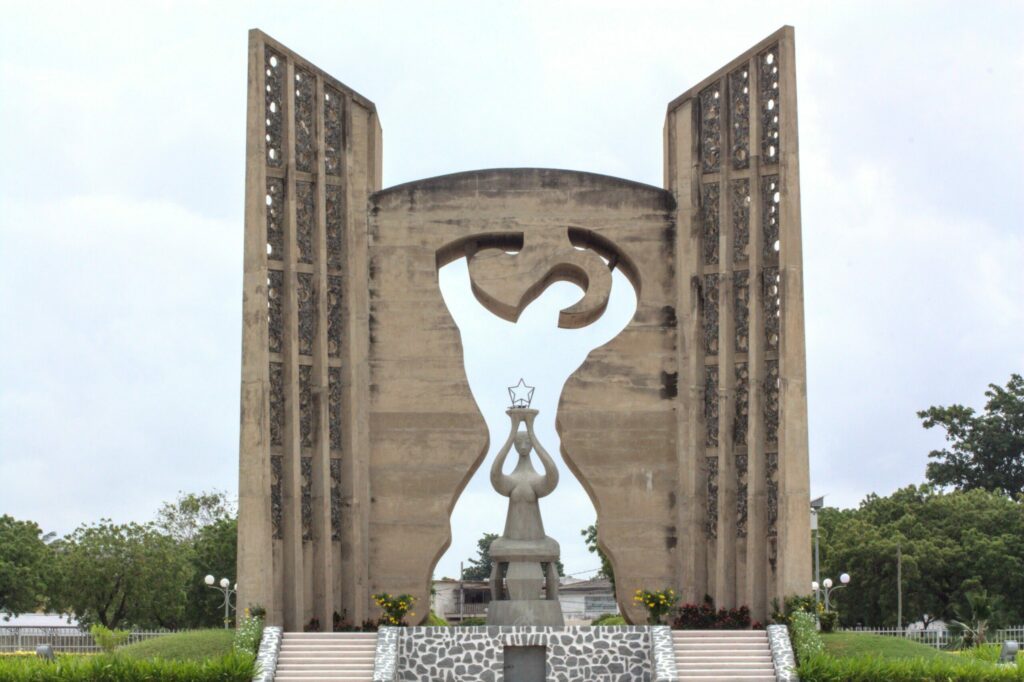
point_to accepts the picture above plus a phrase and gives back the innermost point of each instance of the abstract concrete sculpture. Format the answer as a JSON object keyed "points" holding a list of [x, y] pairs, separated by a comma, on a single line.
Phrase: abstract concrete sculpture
{"points": [[524, 559], [688, 430]]}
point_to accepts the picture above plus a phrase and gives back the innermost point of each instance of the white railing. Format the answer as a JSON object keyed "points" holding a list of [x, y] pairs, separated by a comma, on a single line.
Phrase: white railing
{"points": [[940, 639], [63, 638]]}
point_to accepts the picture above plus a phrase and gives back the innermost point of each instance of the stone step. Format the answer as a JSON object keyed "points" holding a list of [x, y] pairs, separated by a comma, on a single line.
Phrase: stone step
{"points": [[719, 637], [721, 633], [756, 667], [324, 677], [324, 655], [718, 677], [697, 660], [354, 649], [330, 635]]}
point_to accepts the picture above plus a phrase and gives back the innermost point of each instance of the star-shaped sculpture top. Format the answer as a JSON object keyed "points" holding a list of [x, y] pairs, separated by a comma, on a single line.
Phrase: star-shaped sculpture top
{"points": [[521, 394]]}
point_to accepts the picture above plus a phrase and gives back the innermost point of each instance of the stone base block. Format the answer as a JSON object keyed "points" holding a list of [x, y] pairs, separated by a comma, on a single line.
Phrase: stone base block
{"points": [[525, 612]]}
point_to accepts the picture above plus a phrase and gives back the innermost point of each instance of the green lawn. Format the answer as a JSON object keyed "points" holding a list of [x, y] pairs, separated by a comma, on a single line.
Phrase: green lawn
{"points": [[850, 644], [194, 645]]}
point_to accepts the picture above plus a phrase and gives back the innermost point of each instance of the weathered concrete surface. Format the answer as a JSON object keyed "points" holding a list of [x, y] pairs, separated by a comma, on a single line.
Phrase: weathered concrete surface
{"points": [[359, 431]]}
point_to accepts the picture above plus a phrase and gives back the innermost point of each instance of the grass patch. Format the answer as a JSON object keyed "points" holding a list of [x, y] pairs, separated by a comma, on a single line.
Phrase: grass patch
{"points": [[234, 667], [194, 645], [851, 644]]}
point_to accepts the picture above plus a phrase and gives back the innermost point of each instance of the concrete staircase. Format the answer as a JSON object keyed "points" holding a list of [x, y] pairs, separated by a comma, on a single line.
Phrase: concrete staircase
{"points": [[722, 655], [310, 656]]}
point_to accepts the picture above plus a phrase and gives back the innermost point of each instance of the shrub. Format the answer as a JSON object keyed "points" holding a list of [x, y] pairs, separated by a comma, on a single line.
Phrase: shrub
{"points": [[249, 633], [828, 621], [108, 639], [395, 608], [705, 617], [234, 667], [609, 619], [657, 603], [473, 621], [807, 643], [435, 620]]}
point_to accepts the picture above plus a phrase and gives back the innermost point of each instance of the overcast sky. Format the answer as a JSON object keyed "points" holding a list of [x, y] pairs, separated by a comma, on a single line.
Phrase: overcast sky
{"points": [[121, 201]]}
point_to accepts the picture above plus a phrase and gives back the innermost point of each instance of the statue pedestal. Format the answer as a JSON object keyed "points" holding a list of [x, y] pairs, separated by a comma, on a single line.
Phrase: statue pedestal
{"points": [[525, 612]]}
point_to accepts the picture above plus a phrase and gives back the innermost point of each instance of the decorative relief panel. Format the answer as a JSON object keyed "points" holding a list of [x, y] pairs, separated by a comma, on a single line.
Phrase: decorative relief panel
{"points": [[741, 495], [711, 406], [739, 426], [333, 131], [335, 227], [739, 116], [711, 314], [709, 218], [771, 194], [307, 312], [739, 202], [275, 218], [771, 299], [771, 401], [335, 498], [710, 129], [711, 523], [772, 489], [306, 419], [276, 476], [305, 121], [275, 314], [273, 102], [741, 309], [305, 220], [768, 101], [306, 464], [334, 406], [276, 403], [335, 317]]}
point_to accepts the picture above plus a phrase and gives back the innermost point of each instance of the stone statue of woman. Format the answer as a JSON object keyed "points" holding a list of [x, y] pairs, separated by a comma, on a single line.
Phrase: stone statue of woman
{"points": [[524, 560]]}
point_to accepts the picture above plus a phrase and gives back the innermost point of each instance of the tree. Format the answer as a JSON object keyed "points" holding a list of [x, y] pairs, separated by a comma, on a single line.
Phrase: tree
{"points": [[590, 537], [213, 552], [987, 450], [122, 575], [480, 567], [184, 518], [951, 543], [23, 566]]}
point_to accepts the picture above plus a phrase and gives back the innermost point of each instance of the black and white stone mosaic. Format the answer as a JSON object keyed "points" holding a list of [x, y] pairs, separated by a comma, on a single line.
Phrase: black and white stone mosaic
{"points": [[782, 654], [386, 656], [663, 650], [476, 654], [266, 657]]}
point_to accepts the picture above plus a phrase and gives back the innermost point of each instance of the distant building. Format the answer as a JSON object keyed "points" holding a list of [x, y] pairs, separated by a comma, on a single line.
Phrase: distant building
{"points": [[582, 600]]}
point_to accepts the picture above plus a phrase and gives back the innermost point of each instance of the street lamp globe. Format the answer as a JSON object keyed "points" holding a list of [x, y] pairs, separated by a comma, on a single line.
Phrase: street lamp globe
{"points": [[225, 583], [814, 585], [208, 580], [845, 578], [827, 582]]}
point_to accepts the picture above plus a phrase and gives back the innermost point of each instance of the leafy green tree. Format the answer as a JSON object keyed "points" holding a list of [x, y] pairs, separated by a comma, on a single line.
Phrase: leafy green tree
{"points": [[24, 561], [212, 552], [122, 575], [480, 566], [987, 450], [590, 537], [951, 543], [184, 518]]}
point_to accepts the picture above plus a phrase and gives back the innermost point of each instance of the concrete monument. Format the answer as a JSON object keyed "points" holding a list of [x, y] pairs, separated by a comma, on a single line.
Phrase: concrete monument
{"points": [[688, 430], [524, 559]]}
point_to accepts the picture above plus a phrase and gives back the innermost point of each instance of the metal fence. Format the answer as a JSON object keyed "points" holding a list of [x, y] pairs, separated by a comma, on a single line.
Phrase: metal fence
{"points": [[941, 639], [63, 638]]}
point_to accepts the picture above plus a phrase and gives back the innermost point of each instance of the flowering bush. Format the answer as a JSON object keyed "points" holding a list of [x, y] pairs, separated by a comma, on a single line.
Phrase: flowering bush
{"points": [[705, 617], [249, 633], [658, 603], [108, 639], [395, 608]]}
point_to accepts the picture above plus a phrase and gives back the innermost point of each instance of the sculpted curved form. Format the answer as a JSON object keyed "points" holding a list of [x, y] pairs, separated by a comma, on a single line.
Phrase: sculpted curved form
{"points": [[524, 559], [358, 428]]}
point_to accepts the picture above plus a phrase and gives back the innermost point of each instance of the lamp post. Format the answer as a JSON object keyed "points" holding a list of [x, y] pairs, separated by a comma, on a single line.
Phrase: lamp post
{"points": [[828, 587], [225, 588], [816, 504]]}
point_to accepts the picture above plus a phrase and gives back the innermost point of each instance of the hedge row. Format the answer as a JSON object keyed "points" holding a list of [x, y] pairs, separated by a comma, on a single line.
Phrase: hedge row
{"points": [[938, 669], [234, 667]]}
